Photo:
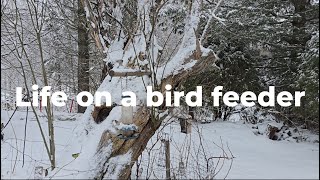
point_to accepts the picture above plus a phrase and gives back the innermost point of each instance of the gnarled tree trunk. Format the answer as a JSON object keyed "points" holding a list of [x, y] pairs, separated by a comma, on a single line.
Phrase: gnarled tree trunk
{"points": [[147, 126], [189, 59]]}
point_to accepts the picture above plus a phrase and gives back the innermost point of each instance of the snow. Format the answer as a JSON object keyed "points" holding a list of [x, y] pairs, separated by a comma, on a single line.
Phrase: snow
{"points": [[87, 12], [255, 156]]}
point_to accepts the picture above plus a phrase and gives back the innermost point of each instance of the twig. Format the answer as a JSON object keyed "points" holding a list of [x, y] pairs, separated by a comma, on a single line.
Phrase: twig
{"points": [[9, 119], [15, 136], [62, 168], [231, 162], [25, 134]]}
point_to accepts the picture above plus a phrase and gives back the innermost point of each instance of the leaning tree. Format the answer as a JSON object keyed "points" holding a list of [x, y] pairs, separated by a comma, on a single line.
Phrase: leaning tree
{"points": [[146, 43]]}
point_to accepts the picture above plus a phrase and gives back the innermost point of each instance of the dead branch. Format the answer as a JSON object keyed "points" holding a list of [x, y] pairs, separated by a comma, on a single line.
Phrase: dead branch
{"points": [[113, 73]]}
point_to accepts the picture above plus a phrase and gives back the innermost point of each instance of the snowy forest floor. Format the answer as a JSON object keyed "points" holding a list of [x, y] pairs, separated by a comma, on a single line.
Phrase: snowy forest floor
{"points": [[254, 156]]}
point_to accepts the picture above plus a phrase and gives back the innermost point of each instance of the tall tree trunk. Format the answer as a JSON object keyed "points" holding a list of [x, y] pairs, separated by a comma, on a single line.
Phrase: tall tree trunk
{"points": [[83, 55]]}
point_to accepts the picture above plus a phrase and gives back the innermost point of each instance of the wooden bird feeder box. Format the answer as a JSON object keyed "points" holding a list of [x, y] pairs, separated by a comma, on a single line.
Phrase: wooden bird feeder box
{"points": [[185, 125], [191, 111]]}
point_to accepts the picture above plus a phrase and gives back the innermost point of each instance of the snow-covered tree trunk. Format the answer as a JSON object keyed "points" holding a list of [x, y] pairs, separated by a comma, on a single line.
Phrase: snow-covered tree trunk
{"points": [[137, 50]]}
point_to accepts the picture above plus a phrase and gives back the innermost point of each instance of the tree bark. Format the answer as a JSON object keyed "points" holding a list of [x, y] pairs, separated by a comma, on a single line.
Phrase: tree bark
{"points": [[83, 55]]}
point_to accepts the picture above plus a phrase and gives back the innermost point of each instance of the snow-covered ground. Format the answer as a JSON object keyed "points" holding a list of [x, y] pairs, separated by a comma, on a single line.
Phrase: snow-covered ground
{"points": [[254, 156]]}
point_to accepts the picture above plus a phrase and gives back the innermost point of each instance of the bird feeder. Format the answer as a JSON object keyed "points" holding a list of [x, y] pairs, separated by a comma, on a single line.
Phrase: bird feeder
{"points": [[185, 125], [128, 130], [126, 114]]}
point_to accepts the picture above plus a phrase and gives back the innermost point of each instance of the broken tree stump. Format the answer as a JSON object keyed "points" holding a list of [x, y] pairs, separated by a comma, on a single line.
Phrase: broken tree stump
{"points": [[272, 131]]}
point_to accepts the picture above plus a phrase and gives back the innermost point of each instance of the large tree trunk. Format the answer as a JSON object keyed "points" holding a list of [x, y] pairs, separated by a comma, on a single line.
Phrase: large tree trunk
{"points": [[83, 55], [147, 126], [191, 59]]}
